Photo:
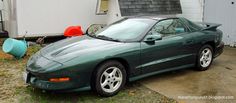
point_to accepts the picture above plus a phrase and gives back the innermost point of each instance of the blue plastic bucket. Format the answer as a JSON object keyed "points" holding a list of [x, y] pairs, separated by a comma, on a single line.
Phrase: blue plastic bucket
{"points": [[17, 48]]}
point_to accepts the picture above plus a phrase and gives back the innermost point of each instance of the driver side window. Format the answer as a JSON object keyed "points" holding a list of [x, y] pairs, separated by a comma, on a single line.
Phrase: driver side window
{"points": [[169, 27]]}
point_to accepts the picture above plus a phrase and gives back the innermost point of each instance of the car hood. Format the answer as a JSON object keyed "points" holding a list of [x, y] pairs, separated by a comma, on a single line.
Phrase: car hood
{"points": [[67, 49]]}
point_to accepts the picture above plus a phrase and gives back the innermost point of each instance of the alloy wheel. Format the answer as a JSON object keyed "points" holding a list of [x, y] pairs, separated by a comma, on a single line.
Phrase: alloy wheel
{"points": [[206, 57], [111, 79]]}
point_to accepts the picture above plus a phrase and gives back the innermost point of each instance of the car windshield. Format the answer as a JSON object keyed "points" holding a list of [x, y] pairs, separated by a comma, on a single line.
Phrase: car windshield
{"points": [[125, 30]]}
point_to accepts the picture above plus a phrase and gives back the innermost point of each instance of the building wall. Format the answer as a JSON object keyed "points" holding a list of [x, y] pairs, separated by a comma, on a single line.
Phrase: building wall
{"points": [[9, 17], [192, 9], [224, 14], [51, 17], [4, 6], [1, 5], [149, 7], [114, 13]]}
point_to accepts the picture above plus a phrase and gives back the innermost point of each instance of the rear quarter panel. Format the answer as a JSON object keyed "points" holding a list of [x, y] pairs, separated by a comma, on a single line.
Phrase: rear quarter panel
{"points": [[203, 37]]}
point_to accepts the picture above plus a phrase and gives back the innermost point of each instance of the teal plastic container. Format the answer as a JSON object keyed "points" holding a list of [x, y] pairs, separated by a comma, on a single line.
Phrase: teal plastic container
{"points": [[17, 48]]}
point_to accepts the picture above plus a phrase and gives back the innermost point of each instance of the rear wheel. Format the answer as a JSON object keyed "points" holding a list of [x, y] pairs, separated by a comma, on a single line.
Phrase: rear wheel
{"points": [[205, 57], [110, 77]]}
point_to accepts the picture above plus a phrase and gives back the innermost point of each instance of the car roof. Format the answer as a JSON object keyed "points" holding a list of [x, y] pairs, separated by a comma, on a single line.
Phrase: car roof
{"points": [[158, 17]]}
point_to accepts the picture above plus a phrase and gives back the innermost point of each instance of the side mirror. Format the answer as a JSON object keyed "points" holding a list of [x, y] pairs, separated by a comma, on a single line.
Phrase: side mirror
{"points": [[152, 38], [92, 29]]}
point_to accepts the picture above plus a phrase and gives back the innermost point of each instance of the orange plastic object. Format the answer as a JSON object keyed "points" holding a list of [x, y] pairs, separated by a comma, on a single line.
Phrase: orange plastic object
{"points": [[73, 31], [59, 79]]}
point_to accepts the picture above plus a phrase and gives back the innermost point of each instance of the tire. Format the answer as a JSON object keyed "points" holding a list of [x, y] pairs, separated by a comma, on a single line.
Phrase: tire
{"points": [[109, 78], [205, 58]]}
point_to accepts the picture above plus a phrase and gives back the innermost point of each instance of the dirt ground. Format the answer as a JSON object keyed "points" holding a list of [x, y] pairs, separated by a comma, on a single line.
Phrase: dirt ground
{"points": [[14, 90]]}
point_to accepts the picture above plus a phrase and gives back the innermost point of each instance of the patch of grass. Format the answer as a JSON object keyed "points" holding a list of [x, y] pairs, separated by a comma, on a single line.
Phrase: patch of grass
{"points": [[11, 74], [5, 73], [33, 49]]}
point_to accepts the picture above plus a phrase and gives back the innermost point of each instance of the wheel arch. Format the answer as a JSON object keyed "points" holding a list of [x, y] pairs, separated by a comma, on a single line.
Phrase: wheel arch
{"points": [[121, 60], [212, 44]]}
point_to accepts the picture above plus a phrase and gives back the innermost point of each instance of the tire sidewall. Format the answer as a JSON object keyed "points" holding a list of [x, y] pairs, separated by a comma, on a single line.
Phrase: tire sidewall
{"points": [[99, 73], [199, 67]]}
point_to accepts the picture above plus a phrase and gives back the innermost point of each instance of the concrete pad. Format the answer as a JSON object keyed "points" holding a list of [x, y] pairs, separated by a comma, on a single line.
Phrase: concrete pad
{"points": [[216, 85]]}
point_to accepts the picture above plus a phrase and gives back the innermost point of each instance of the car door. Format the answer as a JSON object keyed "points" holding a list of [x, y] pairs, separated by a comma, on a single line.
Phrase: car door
{"points": [[173, 51]]}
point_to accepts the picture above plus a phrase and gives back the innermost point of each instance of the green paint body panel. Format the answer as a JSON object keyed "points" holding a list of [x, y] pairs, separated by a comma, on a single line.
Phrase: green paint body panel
{"points": [[78, 57]]}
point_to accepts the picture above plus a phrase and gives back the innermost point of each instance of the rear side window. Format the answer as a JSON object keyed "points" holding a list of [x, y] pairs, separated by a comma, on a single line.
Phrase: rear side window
{"points": [[169, 27], [192, 26]]}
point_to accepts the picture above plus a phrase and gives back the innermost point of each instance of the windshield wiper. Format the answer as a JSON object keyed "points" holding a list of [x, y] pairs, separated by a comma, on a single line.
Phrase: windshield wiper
{"points": [[107, 38]]}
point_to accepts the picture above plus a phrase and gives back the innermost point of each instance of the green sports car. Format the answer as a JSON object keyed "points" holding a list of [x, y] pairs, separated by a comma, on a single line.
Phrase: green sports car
{"points": [[127, 50]]}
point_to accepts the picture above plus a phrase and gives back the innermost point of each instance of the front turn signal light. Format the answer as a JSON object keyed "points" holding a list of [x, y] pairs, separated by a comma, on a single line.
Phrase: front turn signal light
{"points": [[59, 79]]}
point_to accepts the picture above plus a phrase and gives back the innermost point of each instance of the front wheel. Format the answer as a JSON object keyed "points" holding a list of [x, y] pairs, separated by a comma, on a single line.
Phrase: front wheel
{"points": [[110, 77], [205, 58]]}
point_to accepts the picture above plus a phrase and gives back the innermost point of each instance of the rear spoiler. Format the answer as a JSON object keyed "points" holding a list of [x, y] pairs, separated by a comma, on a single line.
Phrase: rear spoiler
{"points": [[208, 26]]}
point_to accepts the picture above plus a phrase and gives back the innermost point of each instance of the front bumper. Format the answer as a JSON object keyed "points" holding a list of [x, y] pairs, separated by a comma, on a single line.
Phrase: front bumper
{"points": [[72, 85], [40, 70], [37, 76], [34, 81], [219, 50]]}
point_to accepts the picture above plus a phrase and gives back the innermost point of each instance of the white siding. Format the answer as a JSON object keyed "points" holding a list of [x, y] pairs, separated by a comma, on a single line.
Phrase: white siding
{"points": [[224, 14], [1, 5], [4, 6], [51, 17], [192, 9], [114, 13]]}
